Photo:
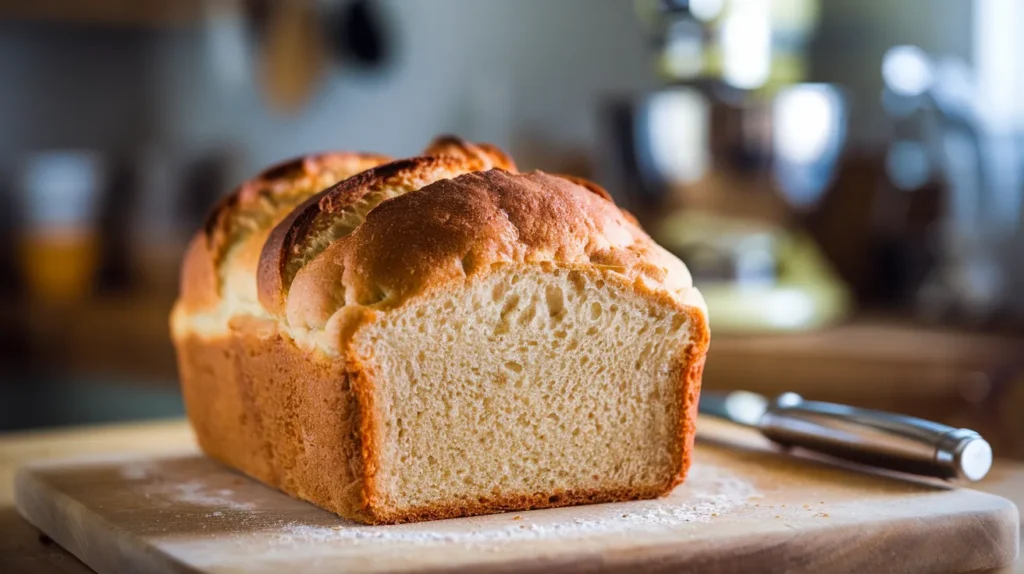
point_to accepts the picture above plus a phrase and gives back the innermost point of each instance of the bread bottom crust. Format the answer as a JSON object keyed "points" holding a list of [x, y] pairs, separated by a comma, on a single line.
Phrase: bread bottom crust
{"points": [[516, 502], [290, 418]]}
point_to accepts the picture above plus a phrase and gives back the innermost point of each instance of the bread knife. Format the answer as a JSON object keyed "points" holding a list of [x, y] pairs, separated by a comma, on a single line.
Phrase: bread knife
{"points": [[875, 438]]}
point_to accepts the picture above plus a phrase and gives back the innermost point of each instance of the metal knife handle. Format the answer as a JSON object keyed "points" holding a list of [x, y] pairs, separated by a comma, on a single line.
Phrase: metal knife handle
{"points": [[877, 438]]}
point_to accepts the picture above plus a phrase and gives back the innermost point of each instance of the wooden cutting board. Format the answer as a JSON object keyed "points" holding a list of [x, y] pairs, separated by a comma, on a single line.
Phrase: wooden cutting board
{"points": [[743, 508]]}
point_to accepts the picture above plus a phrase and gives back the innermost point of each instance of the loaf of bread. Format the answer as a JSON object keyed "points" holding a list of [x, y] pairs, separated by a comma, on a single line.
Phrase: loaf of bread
{"points": [[437, 337]]}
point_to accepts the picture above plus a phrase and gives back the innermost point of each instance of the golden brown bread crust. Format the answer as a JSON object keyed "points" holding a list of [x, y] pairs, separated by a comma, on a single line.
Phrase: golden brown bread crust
{"points": [[249, 413], [449, 230], [319, 440], [455, 146], [200, 285], [525, 501], [299, 236], [692, 370], [599, 191], [586, 183], [252, 208]]}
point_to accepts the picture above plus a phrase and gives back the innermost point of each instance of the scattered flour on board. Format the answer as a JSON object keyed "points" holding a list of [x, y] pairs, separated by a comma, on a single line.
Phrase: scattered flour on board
{"points": [[198, 493], [137, 470], [707, 493], [195, 492]]}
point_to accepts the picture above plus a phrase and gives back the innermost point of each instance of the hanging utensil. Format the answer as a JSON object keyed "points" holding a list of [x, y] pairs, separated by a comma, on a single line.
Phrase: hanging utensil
{"points": [[293, 54]]}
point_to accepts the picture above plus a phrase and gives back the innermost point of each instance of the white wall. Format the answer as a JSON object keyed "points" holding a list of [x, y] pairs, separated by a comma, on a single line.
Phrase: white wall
{"points": [[486, 69]]}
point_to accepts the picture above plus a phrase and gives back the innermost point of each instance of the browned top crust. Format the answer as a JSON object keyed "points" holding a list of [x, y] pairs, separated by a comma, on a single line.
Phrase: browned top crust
{"points": [[374, 240], [458, 147], [599, 191], [453, 229], [593, 187], [255, 206], [336, 211]]}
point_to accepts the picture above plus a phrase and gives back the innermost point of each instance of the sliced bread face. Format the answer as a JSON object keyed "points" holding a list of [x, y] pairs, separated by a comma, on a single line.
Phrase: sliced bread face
{"points": [[534, 386]]}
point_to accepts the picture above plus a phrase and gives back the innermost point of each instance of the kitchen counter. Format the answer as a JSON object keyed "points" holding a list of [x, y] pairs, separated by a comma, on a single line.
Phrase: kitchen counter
{"points": [[23, 549]]}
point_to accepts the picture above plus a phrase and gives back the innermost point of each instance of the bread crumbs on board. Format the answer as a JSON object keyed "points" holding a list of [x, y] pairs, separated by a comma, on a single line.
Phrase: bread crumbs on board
{"points": [[708, 492]]}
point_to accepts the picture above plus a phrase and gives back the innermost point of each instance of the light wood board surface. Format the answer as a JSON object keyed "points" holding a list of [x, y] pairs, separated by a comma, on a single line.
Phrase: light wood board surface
{"points": [[744, 508]]}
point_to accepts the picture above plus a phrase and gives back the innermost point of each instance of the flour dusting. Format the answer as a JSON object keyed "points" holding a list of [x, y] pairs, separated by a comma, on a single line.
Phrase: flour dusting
{"points": [[708, 492], [198, 493], [161, 483], [137, 470]]}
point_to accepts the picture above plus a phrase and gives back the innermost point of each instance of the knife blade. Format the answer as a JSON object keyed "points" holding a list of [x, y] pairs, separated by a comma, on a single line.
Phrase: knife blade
{"points": [[876, 438]]}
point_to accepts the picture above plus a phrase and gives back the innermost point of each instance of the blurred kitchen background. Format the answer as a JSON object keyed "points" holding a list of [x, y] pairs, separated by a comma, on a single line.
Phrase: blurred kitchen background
{"points": [[844, 177]]}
